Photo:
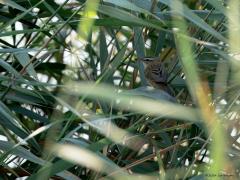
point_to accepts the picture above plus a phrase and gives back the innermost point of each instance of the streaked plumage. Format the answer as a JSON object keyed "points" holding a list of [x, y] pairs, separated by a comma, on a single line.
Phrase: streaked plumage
{"points": [[155, 73]]}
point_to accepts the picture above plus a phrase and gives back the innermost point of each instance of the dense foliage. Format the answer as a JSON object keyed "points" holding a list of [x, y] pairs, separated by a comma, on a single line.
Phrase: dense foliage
{"points": [[75, 102]]}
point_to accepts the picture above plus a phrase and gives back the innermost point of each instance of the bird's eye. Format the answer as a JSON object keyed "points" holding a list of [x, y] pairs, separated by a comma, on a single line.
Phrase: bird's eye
{"points": [[147, 59]]}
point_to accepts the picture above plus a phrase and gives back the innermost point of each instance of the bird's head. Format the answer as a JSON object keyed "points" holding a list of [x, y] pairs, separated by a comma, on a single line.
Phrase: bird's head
{"points": [[149, 60]]}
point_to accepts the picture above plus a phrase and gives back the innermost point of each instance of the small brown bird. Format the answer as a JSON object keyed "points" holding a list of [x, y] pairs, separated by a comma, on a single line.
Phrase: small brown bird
{"points": [[155, 73]]}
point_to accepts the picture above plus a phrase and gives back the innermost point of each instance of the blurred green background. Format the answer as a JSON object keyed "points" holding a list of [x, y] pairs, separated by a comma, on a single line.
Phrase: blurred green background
{"points": [[75, 103]]}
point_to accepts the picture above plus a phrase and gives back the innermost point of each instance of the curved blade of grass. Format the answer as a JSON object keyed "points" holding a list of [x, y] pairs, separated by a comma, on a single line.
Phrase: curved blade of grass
{"points": [[215, 130], [233, 13], [12, 4], [61, 165], [84, 27], [17, 50], [150, 92], [19, 16], [10, 69], [103, 48], [183, 10], [117, 60], [21, 152], [133, 103], [30, 114], [8, 115], [10, 121], [27, 96], [139, 46], [92, 160], [218, 5], [166, 15], [130, 6], [160, 43], [28, 82], [101, 125], [95, 161], [126, 16], [25, 31], [24, 59]]}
